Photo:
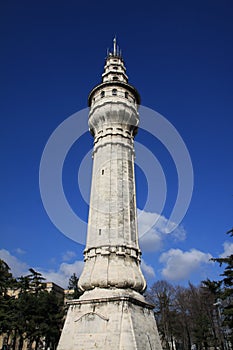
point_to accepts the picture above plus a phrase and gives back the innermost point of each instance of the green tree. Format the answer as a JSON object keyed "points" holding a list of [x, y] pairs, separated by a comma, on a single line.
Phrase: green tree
{"points": [[73, 286], [7, 302], [6, 279], [186, 315], [40, 313], [211, 291], [226, 306], [200, 304], [51, 312], [32, 313], [26, 309], [36, 281]]}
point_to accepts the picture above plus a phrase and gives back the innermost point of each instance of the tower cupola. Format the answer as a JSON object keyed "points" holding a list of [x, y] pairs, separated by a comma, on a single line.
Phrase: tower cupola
{"points": [[114, 80], [114, 69]]}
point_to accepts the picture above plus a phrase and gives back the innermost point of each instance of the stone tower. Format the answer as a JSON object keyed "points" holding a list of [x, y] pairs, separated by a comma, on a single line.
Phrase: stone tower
{"points": [[112, 312]]}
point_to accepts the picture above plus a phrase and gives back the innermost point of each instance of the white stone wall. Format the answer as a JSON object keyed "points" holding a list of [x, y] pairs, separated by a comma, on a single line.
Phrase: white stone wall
{"points": [[117, 323], [112, 254]]}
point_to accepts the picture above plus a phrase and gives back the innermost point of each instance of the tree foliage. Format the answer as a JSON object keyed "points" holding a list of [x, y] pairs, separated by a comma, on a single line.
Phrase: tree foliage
{"points": [[28, 311], [226, 296], [196, 317], [187, 317], [73, 286]]}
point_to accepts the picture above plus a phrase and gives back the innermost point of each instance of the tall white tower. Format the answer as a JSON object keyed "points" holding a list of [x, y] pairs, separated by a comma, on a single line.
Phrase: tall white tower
{"points": [[112, 312], [112, 254]]}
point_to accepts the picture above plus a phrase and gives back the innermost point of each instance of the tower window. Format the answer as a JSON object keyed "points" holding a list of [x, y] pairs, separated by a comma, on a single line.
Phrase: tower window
{"points": [[102, 94], [126, 94], [115, 67], [114, 92], [102, 172], [99, 231], [115, 78]]}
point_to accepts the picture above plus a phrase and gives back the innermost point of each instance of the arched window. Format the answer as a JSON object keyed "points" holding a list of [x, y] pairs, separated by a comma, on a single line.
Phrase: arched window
{"points": [[114, 92], [115, 78], [126, 94], [102, 94]]}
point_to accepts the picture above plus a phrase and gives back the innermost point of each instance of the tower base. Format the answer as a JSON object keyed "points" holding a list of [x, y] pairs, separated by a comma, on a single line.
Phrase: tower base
{"points": [[110, 319]]}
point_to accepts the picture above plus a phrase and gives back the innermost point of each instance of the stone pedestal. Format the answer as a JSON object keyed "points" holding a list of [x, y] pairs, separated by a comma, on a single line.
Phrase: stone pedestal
{"points": [[110, 319]]}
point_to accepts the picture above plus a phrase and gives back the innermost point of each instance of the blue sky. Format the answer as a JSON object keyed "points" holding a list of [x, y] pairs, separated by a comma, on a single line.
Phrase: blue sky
{"points": [[178, 54]]}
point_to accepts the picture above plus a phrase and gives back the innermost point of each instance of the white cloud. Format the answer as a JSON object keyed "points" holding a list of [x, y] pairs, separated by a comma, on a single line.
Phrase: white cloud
{"points": [[150, 239], [228, 249], [68, 255], [20, 251], [179, 234], [154, 228], [151, 242], [18, 268], [62, 275], [147, 270], [180, 264]]}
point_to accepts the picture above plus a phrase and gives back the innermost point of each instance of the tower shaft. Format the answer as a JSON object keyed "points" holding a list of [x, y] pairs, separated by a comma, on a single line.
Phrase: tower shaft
{"points": [[112, 254]]}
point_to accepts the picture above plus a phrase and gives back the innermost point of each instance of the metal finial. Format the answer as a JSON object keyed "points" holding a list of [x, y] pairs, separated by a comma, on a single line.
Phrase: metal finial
{"points": [[114, 47]]}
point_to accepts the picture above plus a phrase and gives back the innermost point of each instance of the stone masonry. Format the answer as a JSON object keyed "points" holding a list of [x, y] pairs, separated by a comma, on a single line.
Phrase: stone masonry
{"points": [[112, 313]]}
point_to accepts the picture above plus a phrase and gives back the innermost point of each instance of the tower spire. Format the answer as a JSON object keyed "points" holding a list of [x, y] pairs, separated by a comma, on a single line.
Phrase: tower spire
{"points": [[114, 69], [114, 47]]}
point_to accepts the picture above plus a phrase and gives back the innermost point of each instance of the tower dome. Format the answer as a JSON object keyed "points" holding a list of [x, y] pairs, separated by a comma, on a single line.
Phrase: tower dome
{"points": [[113, 100]]}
